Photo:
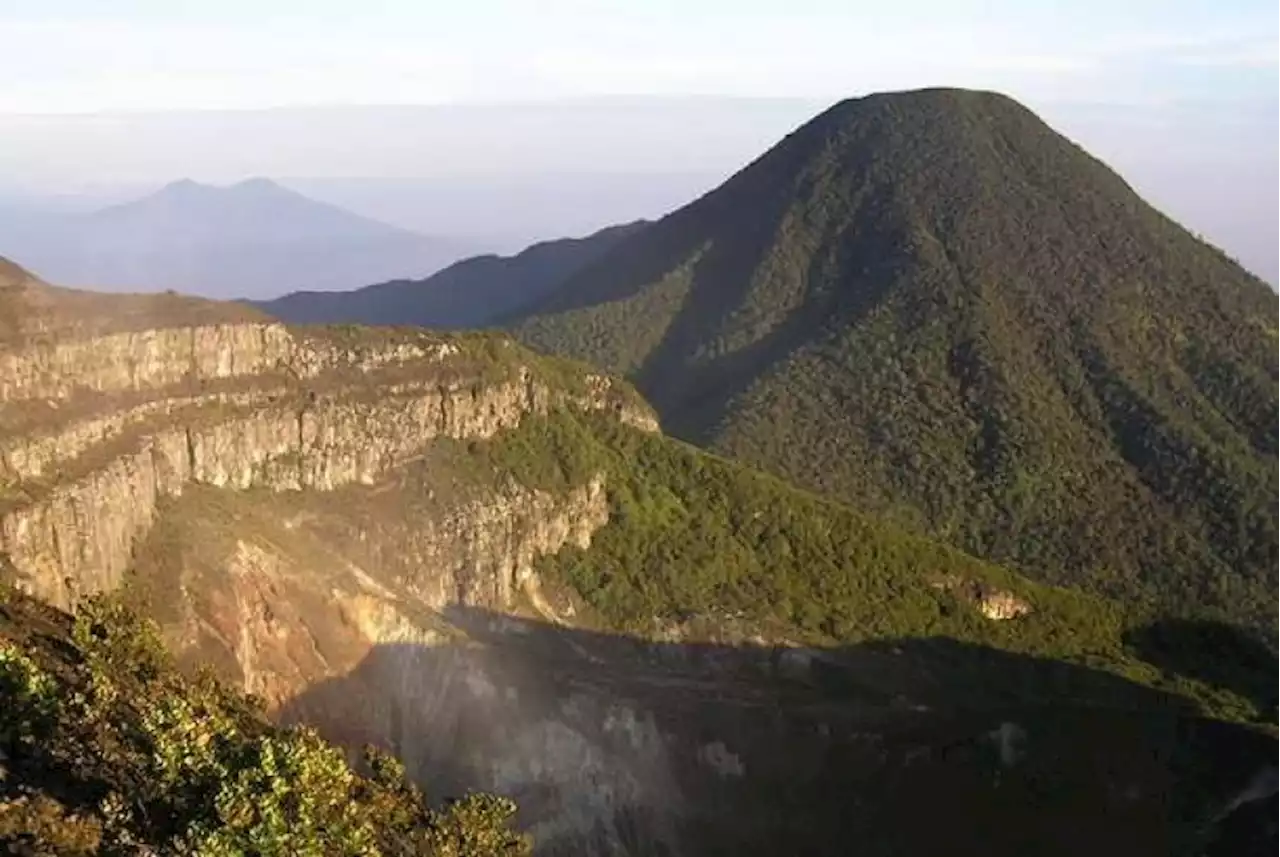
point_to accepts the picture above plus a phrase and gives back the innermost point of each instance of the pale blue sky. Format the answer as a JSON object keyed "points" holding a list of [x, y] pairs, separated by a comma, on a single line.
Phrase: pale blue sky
{"points": [[92, 55]]}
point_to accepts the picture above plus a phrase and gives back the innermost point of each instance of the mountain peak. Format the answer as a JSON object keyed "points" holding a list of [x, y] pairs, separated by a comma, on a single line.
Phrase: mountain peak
{"points": [[256, 182], [941, 95], [190, 188], [259, 185], [183, 187], [910, 106], [930, 303], [252, 238]]}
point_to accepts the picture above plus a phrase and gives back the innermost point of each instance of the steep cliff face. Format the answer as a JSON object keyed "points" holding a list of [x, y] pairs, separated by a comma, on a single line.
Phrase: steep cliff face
{"points": [[407, 613], [95, 432], [282, 591], [143, 360]]}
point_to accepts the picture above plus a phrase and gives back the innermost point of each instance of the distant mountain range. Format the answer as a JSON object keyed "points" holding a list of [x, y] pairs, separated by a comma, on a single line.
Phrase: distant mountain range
{"points": [[254, 239], [475, 292]]}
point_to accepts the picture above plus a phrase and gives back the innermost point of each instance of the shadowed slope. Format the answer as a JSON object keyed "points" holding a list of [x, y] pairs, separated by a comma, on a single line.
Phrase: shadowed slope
{"points": [[471, 293], [613, 745]]}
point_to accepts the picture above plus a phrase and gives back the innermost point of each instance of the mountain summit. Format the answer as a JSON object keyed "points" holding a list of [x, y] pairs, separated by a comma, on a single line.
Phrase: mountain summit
{"points": [[252, 211], [933, 305]]}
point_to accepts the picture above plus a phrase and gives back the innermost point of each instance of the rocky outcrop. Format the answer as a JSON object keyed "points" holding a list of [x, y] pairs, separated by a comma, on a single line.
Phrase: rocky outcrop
{"points": [[1001, 605], [114, 438], [151, 359], [34, 454], [995, 604]]}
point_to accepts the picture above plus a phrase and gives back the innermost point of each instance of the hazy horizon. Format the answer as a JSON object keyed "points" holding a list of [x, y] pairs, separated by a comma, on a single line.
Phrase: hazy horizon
{"points": [[505, 176], [505, 123]]}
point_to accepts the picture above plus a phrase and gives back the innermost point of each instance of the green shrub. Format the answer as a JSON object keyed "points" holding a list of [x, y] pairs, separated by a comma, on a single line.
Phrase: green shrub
{"points": [[147, 760], [40, 825], [477, 824], [29, 695], [290, 794]]}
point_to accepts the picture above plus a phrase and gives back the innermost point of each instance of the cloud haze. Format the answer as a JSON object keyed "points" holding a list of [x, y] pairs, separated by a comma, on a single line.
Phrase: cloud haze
{"points": [[85, 56]]}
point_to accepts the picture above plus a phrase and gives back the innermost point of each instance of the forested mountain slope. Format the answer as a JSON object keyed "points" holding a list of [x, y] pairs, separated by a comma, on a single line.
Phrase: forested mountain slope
{"points": [[932, 306]]}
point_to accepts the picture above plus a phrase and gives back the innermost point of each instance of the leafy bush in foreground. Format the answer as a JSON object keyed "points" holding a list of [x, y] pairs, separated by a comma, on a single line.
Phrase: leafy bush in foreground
{"points": [[107, 749]]}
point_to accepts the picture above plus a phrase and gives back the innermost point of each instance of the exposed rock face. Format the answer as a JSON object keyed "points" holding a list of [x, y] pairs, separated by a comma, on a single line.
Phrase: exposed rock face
{"points": [[306, 591], [145, 359], [30, 456], [1002, 605], [607, 751], [277, 493], [996, 604], [482, 553], [317, 414], [149, 359]]}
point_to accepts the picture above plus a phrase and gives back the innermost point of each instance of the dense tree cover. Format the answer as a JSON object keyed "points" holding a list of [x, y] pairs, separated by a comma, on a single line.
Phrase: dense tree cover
{"points": [[933, 306], [472, 293], [707, 544], [106, 749]]}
